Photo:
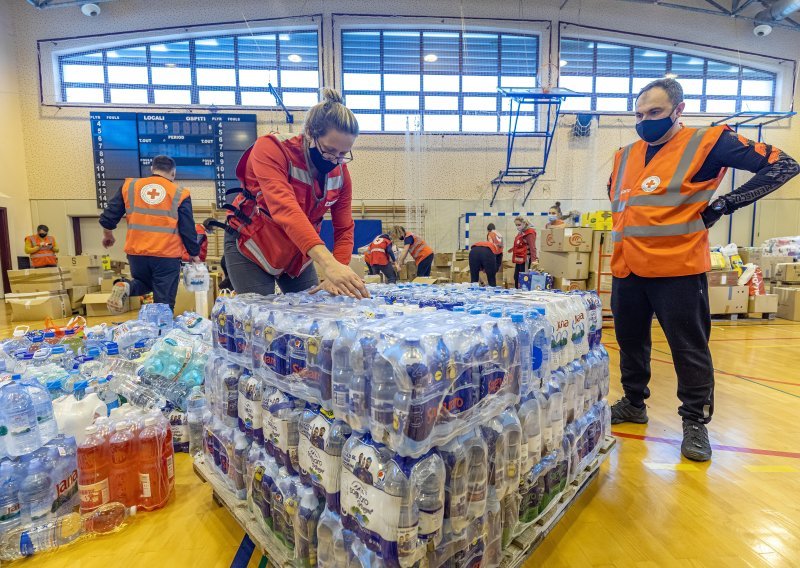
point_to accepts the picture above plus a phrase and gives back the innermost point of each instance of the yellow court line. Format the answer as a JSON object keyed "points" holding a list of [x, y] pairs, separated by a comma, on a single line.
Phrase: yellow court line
{"points": [[771, 468], [671, 466]]}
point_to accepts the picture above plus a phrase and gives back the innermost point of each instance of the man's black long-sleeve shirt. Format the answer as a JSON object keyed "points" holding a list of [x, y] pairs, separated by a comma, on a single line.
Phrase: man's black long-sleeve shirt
{"points": [[115, 211]]}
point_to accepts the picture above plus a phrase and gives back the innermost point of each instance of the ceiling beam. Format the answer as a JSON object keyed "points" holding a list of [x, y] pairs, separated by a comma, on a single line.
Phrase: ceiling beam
{"points": [[722, 9], [714, 12]]}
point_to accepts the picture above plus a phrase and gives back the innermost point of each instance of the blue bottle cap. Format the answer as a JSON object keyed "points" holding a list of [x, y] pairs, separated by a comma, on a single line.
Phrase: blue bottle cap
{"points": [[112, 348], [58, 350], [80, 386], [141, 343], [53, 385], [93, 352], [517, 318], [475, 312], [16, 377], [496, 314]]}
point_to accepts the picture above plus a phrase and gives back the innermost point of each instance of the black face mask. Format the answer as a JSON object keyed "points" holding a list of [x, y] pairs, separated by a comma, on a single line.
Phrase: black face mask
{"points": [[43, 235], [323, 166], [652, 130]]}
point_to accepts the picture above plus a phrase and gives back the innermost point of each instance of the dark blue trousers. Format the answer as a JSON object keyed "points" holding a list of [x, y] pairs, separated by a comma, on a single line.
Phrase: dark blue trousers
{"points": [[157, 275]]}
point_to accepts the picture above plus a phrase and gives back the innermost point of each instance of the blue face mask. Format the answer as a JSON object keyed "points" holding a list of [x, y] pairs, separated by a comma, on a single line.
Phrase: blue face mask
{"points": [[654, 129], [552, 218]]}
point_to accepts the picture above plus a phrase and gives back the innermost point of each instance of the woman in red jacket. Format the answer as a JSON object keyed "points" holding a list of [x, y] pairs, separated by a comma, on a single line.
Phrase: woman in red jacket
{"points": [[289, 185], [524, 247]]}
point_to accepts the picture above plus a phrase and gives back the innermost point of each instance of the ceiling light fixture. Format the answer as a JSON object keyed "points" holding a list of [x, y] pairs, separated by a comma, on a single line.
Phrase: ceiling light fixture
{"points": [[431, 58], [294, 58]]}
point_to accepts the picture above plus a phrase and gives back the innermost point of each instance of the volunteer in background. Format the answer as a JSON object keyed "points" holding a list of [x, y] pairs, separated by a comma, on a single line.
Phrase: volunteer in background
{"points": [[202, 241], [524, 250], [381, 257], [483, 256], [42, 248], [494, 237], [660, 190], [555, 218], [273, 232], [417, 248], [160, 228]]}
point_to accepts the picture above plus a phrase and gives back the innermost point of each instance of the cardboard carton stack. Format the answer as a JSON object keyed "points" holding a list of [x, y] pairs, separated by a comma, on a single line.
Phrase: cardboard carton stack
{"points": [[39, 293], [787, 290], [565, 254], [86, 272], [600, 277], [442, 266]]}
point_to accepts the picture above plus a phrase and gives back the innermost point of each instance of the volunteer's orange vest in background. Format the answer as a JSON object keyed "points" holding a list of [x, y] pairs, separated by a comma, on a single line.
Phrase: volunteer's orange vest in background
{"points": [[520, 250], [202, 239], [656, 208], [151, 208], [43, 257], [419, 249], [496, 240], [377, 250]]}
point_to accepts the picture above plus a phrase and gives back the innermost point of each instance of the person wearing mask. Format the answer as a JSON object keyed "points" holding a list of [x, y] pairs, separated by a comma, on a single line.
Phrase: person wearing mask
{"points": [[381, 257], [42, 248], [417, 248], [524, 250], [662, 203], [202, 241], [160, 228], [555, 218], [494, 237], [272, 235]]}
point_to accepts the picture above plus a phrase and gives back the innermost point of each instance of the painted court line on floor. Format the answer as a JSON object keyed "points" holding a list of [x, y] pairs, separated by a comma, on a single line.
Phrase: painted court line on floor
{"points": [[719, 447], [671, 466]]}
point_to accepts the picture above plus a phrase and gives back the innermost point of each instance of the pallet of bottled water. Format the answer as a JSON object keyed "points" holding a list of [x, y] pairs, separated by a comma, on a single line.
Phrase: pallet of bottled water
{"points": [[428, 425]]}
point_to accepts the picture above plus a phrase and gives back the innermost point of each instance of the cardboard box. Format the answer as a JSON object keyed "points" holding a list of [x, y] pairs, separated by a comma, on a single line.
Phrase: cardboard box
{"points": [[461, 277], [95, 304], [570, 239], [357, 265], [135, 303], [408, 271], [728, 299], [765, 304], [568, 285], [185, 301], [722, 278], [770, 263], [429, 280], [571, 265], [37, 306], [77, 293], [788, 272], [442, 259], [752, 255], [532, 281], [788, 302], [602, 242], [40, 280], [79, 261], [599, 282], [373, 278], [87, 276]]}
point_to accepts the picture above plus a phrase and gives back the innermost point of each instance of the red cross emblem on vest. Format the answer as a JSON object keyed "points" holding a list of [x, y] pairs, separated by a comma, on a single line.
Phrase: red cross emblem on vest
{"points": [[650, 184], [153, 193]]}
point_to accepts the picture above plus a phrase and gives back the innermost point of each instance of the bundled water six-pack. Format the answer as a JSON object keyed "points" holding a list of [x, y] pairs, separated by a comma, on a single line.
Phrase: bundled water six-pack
{"points": [[427, 425]]}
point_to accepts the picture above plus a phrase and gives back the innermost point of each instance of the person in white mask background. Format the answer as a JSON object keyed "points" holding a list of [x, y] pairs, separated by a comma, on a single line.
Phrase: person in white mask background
{"points": [[555, 217]]}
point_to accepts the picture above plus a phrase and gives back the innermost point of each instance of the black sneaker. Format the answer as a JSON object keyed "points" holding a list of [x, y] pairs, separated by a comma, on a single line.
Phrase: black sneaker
{"points": [[624, 411], [695, 446]]}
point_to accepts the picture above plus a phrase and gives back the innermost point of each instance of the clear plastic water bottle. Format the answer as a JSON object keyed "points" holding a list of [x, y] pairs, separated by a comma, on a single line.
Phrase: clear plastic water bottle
{"points": [[43, 406], [18, 341], [306, 519], [51, 535], [36, 493], [160, 315], [430, 500], [195, 416], [107, 394], [19, 424], [10, 511]]}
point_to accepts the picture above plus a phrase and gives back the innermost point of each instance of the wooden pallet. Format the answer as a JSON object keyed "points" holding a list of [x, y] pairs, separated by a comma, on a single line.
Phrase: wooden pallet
{"points": [[525, 543], [513, 556], [761, 315], [278, 555]]}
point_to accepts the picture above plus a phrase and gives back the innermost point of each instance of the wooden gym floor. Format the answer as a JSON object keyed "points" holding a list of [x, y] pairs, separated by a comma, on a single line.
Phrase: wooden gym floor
{"points": [[649, 506]]}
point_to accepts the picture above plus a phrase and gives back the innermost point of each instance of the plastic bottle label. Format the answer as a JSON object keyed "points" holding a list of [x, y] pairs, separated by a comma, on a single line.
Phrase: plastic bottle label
{"points": [[144, 483], [170, 467], [430, 522], [94, 494], [323, 468], [9, 512], [371, 507]]}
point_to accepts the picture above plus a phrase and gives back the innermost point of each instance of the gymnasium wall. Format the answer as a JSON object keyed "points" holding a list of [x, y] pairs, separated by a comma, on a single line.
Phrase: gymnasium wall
{"points": [[449, 173]]}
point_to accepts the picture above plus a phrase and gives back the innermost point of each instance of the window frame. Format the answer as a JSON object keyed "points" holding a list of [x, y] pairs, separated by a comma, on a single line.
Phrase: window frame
{"points": [[94, 44], [782, 72], [342, 23]]}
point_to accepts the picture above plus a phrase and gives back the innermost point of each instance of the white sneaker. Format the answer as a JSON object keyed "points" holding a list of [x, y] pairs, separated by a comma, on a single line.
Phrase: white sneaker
{"points": [[119, 298]]}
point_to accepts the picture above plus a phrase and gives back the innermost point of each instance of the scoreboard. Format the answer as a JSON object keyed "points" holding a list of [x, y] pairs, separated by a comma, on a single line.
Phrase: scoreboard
{"points": [[204, 147]]}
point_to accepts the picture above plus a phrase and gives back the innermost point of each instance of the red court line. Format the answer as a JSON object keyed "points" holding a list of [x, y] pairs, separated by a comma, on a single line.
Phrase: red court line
{"points": [[718, 372], [737, 449]]}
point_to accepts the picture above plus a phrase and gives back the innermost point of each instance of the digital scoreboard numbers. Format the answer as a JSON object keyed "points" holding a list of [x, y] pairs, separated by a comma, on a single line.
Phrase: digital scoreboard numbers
{"points": [[204, 147]]}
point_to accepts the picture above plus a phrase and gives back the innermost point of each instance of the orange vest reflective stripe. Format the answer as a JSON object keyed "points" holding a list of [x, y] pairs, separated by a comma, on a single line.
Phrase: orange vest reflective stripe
{"points": [[377, 251], [657, 228], [486, 244], [151, 207], [496, 240], [520, 250], [202, 239], [43, 257], [419, 249]]}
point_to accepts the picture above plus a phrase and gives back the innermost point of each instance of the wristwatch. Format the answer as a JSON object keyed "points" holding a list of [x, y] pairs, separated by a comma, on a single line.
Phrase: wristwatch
{"points": [[719, 205]]}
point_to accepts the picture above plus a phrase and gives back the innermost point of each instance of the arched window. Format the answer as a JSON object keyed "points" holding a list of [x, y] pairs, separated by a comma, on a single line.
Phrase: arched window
{"points": [[220, 70], [612, 74]]}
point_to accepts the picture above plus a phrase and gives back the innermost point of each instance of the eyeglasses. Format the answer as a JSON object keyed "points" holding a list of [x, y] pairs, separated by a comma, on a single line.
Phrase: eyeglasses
{"points": [[331, 157]]}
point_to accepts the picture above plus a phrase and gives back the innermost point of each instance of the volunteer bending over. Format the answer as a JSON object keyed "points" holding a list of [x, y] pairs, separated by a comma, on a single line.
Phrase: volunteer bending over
{"points": [[273, 226], [417, 248]]}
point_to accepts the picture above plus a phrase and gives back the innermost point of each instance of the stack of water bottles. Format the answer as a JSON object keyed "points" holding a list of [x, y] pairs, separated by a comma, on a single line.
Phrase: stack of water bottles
{"points": [[430, 424]]}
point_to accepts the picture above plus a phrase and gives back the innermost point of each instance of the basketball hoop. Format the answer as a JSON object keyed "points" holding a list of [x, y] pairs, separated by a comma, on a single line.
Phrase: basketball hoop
{"points": [[547, 77]]}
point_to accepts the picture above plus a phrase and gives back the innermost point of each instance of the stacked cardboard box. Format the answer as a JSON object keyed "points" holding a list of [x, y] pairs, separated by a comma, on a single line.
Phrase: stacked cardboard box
{"points": [[39, 293], [597, 220], [29, 280], [565, 253], [787, 290], [442, 265]]}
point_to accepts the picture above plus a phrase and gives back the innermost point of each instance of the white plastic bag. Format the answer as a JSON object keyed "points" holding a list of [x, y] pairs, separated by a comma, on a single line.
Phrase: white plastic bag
{"points": [[195, 277]]}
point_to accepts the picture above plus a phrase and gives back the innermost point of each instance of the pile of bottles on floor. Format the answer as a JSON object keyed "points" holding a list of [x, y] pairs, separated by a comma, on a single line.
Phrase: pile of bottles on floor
{"points": [[85, 433], [426, 426]]}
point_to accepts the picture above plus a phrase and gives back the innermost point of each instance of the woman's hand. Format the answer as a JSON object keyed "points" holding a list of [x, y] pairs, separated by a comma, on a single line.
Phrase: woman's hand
{"points": [[340, 280]]}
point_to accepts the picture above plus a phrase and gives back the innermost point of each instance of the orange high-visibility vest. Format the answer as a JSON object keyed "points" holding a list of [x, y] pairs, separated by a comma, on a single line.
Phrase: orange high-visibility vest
{"points": [[43, 257], [202, 239], [151, 208], [419, 249], [497, 241], [657, 228], [377, 250]]}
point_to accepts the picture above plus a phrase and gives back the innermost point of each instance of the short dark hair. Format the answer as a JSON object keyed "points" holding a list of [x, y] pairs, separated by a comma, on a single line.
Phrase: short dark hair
{"points": [[671, 87], [162, 164], [42, 228], [490, 227]]}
